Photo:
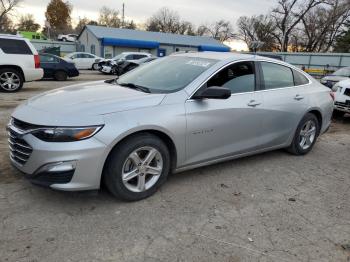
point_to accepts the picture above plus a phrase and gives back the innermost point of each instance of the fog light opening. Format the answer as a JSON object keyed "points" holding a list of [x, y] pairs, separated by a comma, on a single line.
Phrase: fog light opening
{"points": [[58, 167]]}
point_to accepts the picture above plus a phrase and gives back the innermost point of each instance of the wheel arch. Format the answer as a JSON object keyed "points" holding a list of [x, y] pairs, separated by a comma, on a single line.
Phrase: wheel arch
{"points": [[15, 67], [161, 134], [318, 114]]}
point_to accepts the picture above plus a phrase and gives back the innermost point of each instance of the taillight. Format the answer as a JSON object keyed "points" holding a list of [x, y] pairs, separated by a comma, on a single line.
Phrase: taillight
{"points": [[332, 95], [37, 61]]}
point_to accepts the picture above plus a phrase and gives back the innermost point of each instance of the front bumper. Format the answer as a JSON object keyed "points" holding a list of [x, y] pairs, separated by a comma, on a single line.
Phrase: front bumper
{"points": [[87, 156], [340, 106], [73, 72]]}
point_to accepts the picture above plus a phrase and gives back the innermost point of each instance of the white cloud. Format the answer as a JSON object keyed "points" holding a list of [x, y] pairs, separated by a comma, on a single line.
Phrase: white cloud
{"points": [[196, 11]]}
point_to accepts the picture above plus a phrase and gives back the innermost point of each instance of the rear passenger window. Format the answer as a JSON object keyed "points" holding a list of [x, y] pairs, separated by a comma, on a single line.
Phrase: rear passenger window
{"points": [[299, 79], [276, 76], [13, 46], [239, 78], [139, 56]]}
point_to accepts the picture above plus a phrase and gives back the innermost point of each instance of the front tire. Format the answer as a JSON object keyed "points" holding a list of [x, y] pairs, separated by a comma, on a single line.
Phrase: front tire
{"points": [[11, 80], [305, 136], [95, 67], [137, 167]]}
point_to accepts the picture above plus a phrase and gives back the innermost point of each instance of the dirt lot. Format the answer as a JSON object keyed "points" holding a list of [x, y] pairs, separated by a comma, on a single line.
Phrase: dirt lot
{"points": [[270, 207]]}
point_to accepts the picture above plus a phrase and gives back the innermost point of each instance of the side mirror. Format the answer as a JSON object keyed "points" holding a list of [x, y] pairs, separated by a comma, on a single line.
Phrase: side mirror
{"points": [[335, 89], [213, 92]]}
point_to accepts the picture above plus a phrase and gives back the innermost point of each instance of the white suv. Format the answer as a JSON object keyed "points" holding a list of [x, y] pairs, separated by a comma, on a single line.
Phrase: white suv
{"points": [[19, 63], [67, 38]]}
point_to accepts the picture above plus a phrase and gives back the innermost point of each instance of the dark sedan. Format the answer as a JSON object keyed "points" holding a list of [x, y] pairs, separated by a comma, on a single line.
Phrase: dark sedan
{"points": [[57, 68]]}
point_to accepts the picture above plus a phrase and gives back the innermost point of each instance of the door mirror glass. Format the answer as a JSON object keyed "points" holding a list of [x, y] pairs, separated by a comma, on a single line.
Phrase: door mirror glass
{"points": [[213, 92]]}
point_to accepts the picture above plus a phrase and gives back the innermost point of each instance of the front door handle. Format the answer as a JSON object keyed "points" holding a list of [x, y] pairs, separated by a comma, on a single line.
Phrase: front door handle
{"points": [[253, 103], [298, 97]]}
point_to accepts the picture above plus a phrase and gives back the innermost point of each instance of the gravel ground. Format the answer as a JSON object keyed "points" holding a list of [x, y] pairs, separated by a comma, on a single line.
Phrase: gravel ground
{"points": [[269, 207]]}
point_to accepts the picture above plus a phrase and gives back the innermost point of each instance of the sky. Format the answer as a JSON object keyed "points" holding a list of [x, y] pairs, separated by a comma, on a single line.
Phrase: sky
{"points": [[195, 11]]}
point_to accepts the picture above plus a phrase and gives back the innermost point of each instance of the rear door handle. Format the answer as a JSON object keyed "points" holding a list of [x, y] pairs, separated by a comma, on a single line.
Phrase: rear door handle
{"points": [[298, 97], [253, 103]]}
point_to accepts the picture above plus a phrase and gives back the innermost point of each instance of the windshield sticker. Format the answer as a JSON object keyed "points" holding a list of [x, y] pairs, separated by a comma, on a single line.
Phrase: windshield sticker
{"points": [[198, 63]]}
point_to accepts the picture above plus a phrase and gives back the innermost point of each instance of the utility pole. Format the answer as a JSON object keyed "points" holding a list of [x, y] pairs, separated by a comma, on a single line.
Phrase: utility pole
{"points": [[123, 16]]}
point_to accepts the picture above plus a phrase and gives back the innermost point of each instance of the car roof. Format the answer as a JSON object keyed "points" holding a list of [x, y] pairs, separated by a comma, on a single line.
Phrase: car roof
{"points": [[215, 55], [12, 36], [48, 54], [228, 56], [139, 53]]}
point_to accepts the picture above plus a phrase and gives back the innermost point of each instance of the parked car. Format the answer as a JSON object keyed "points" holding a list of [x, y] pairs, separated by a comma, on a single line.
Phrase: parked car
{"points": [[83, 60], [67, 38], [57, 68], [121, 67], [174, 114], [125, 56], [19, 63], [342, 98], [339, 75]]}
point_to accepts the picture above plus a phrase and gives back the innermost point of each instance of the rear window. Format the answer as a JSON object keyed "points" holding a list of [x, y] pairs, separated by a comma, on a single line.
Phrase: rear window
{"points": [[14, 46], [300, 79]]}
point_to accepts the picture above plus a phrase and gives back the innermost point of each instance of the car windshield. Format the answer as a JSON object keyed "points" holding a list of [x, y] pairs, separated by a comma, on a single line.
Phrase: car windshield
{"points": [[117, 57], [343, 72], [168, 74]]}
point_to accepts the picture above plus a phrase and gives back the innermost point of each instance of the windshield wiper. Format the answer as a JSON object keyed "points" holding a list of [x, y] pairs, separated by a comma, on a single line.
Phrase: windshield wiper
{"points": [[133, 86]]}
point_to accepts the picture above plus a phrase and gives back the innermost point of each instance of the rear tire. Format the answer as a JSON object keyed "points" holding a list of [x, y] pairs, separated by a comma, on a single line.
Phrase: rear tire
{"points": [[11, 80], [129, 175], [61, 76], [305, 136]]}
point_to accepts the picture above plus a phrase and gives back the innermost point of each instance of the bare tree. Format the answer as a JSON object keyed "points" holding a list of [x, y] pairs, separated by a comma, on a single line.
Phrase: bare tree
{"points": [[287, 15], [6, 7], [221, 30], [27, 23], [168, 21], [323, 25], [257, 29], [109, 17]]}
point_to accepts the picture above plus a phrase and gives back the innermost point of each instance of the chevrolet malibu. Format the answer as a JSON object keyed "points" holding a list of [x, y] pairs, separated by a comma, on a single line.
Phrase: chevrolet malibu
{"points": [[174, 114]]}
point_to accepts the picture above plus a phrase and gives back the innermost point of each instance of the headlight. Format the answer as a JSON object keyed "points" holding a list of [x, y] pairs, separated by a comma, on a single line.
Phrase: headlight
{"points": [[62, 134]]}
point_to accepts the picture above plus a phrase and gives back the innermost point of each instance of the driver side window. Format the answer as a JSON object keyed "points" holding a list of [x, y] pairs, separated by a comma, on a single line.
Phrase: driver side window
{"points": [[238, 77]]}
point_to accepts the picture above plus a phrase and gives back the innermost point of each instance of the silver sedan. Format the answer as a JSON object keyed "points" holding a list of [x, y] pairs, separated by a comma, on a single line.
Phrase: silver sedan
{"points": [[174, 114]]}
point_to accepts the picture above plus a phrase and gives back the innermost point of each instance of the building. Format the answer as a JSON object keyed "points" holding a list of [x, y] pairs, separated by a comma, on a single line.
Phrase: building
{"points": [[108, 42]]}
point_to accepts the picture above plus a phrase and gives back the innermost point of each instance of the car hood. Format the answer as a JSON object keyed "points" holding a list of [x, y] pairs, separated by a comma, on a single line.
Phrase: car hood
{"points": [[95, 98], [334, 78]]}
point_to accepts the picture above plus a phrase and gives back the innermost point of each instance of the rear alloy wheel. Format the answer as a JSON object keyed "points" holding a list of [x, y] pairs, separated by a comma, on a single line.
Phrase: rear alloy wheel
{"points": [[10, 80], [137, 167], [305, 136], [61, 76]]}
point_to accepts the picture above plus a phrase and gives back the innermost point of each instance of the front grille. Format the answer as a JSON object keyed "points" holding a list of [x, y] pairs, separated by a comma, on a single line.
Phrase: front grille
{"points": [[49, 178], [20, 150], [347, 104], [347, 92], [24, 125]]}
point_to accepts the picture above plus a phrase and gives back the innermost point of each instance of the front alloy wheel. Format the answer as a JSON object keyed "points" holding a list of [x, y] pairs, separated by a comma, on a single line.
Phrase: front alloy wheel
{"points": [[142, 169], [137, 167]]}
